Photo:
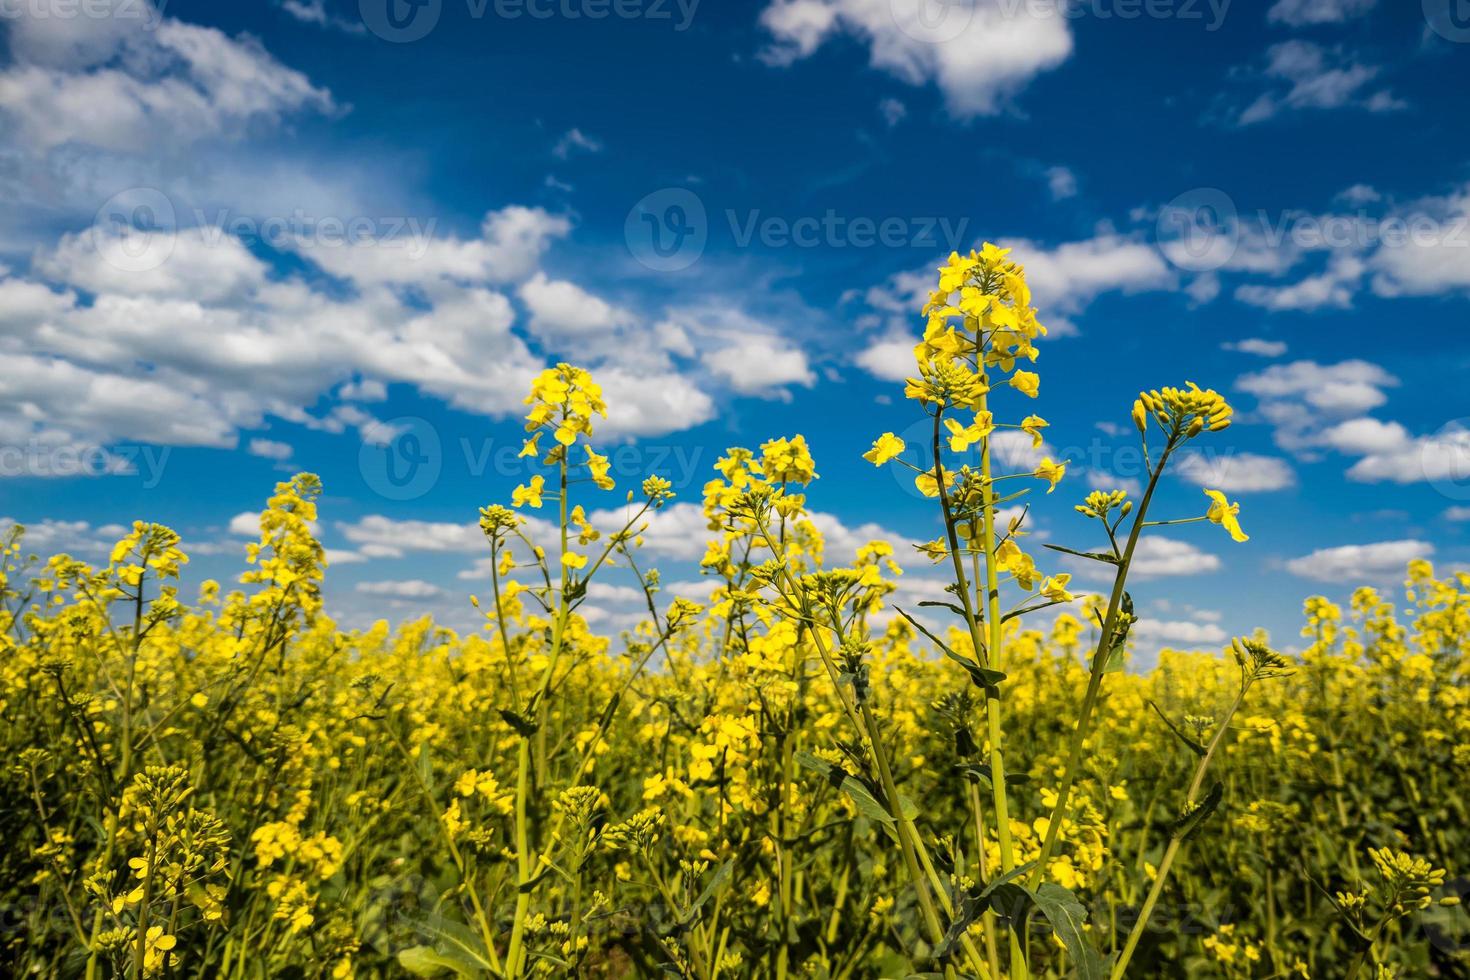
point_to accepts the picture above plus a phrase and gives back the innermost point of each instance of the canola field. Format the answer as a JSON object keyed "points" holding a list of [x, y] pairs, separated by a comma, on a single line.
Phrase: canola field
{"points": [[794, 778]]}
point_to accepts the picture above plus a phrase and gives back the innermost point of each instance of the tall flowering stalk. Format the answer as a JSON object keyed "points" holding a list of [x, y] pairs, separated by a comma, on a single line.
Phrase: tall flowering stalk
{"points": [[980, 327]]}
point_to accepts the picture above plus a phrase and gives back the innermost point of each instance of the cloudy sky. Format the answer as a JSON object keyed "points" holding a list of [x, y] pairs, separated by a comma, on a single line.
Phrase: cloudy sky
{"points": [[241, 240]]}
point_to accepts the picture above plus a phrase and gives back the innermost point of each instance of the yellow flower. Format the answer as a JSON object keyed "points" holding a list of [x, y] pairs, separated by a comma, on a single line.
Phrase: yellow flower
{"points": [[928, 486], [598, 466], [961, 437], [1032, 425], [573, 560], [529, 493], [1055, 588], [885, 447], [1026, 382], [1222, 512], [1051, 472]]}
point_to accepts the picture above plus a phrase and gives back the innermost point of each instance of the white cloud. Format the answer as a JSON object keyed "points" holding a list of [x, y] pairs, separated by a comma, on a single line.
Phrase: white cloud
{"points": [[315, 12], [1441, 458], [1176, 634], [979, 54], [1160, 557], [511, 243], [401, 590], [47, 537], [1066, 279], [1236, 472], [1154, 557], [1061, 182], [892, 111], [575, 141], [891, 360], [1333, 288], [760, 365], [1257, 346], [377, 536], [1365, 436], [1302, 398], [1298, 13], [1352, 564], [270, 449], [559, 307], [136, 79], [1304, 75], [1434, 256], [1457, 514]]}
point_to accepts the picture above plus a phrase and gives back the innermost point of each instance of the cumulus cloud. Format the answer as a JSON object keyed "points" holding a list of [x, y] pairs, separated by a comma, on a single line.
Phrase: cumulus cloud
{"points": [[979, 54], [1302, 75], [401, 590], [1350, 564], [1236, 472], [1257, 346], [1298, 13], [1302, 398], [136, 78]]}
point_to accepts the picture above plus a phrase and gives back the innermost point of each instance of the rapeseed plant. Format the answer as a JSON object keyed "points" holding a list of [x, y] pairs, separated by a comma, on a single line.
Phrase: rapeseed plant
{"points": [[794, 777]]}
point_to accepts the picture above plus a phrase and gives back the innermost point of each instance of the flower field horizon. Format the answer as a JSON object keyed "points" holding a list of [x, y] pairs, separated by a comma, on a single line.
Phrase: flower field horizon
{"points": [[789, 779], [791, 490]]}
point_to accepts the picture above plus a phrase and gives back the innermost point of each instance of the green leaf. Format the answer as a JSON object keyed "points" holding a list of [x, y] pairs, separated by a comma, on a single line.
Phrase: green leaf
{"points": [[1094, 555], [973, 904], [1031, 609], [935, 604], [1067, 917], [865, 801], [977, 772], [1193, 746], [425, 961], [1019, 871], [1188, 825], [455, 943], [983, 677], [713, 885]]}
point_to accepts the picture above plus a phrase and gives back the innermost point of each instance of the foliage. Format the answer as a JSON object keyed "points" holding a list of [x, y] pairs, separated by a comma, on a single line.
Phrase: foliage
{"points": [[795, 778]]}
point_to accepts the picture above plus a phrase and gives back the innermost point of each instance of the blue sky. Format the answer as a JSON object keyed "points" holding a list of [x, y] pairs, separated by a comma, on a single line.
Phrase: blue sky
{"points": [[241, 240]]}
